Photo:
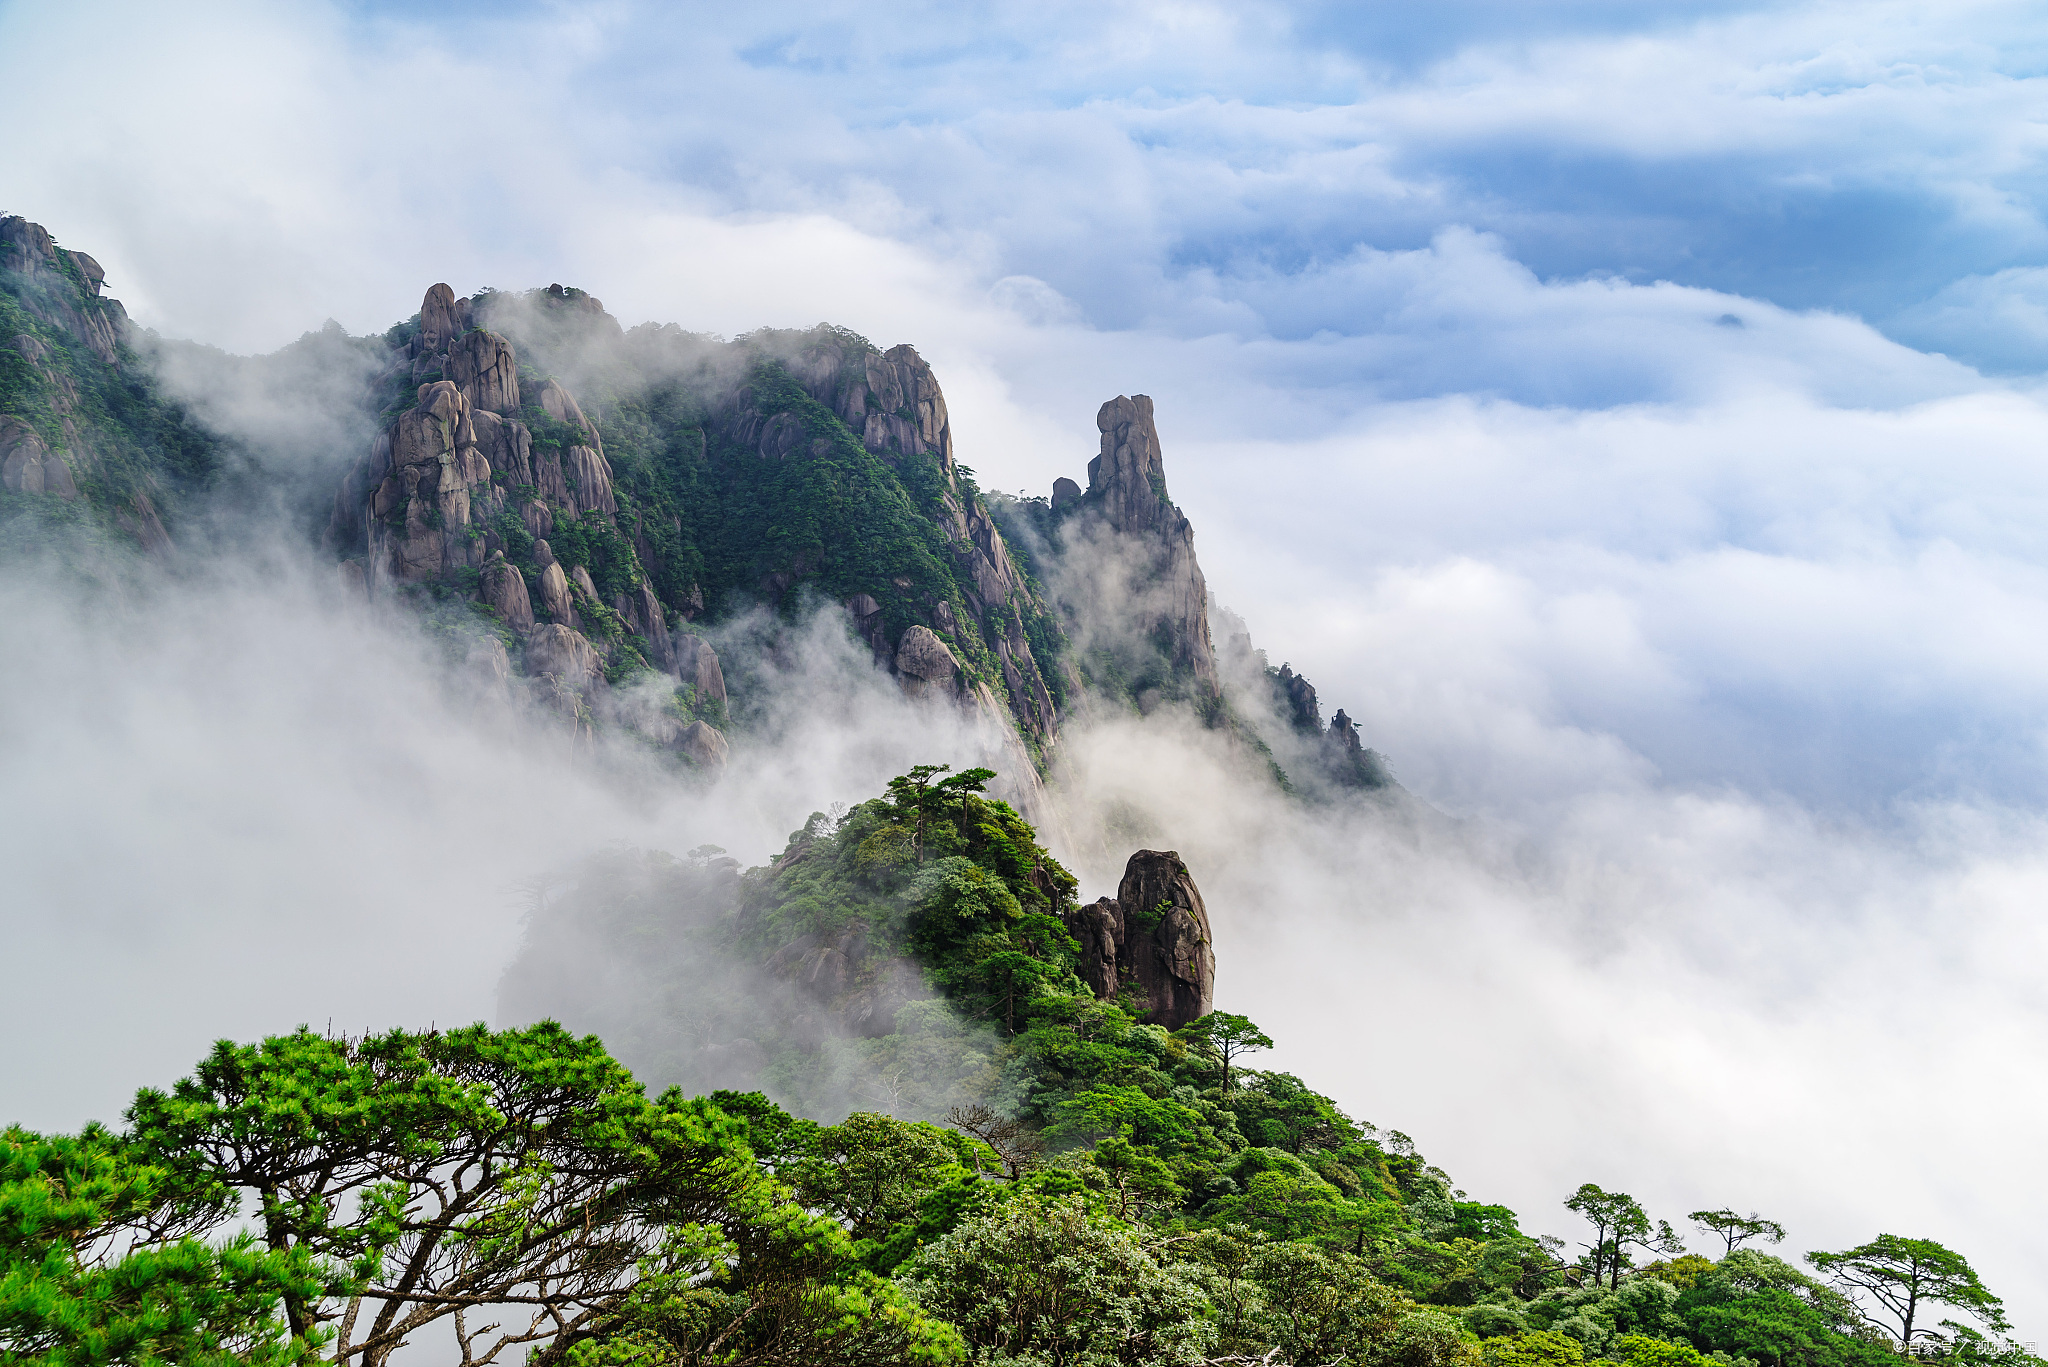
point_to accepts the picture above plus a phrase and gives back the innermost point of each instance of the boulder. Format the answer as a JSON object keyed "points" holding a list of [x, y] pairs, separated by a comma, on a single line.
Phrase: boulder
{"points": [[504, 588], [482, 365], [1129, 474], [1099, 927], [1167, 939], [591, 476], [697, 666], [704, 746], [1064, 493], [26, 248], [900, 409], [28, 465], [580, 577], [562, 654], [434, 469], [504, 444], [94, 275], [554, 592], [780, 436], [925, 663], [650, 623], [538, 517], [548, 481]]}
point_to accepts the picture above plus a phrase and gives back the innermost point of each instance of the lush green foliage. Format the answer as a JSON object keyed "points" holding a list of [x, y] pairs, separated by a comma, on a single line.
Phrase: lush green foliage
{"points": [[1105, 1167], [1097, 1194]]}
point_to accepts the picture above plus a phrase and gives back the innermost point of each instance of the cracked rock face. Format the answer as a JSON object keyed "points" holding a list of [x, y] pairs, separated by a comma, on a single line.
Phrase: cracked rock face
{"points": [[925, 663], [705, 746], [504, 588], [697, 666], [482, 365], [1151, 941], [563, 654]]}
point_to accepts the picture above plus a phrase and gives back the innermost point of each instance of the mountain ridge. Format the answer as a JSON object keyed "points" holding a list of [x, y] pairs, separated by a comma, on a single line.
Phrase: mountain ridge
{"points": [[600, 496]]}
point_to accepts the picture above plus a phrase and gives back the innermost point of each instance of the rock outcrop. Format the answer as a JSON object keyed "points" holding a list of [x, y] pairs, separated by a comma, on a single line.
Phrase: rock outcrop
{"points": [[63, 287], [705, 745], [892, 402], [697, 667], [925, 663], [444, 466], [504, 588], [28, 466], [563, 654], [482, 365], [1150, 942]]}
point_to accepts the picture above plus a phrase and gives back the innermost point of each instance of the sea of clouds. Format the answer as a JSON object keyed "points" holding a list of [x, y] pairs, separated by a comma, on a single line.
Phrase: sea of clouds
{"points": [[1629, 413]]}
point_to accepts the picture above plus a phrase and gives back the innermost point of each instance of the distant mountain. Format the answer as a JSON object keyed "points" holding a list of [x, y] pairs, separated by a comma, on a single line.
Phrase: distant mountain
{"points": [[600, 497]]}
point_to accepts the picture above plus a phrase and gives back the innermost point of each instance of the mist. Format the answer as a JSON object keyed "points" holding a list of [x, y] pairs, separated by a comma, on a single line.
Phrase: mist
{"points": [[241, 801], [1631, 417]]}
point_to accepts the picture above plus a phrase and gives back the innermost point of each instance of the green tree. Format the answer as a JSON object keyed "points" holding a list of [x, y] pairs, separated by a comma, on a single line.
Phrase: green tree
{"points": [[1752, 1305], [1040, 1281], [916, 800], [93, 1268], [1139, 1183], [1736, 1230], [1619, 1224], [870, 1171], [1641, 1350], [1229, 1036], [1904, 1275], [1536, 1348], [452, 1171]]}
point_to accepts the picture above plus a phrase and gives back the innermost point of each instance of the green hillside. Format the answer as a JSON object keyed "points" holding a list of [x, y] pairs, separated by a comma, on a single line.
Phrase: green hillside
{"points": [[1098, 1190]]}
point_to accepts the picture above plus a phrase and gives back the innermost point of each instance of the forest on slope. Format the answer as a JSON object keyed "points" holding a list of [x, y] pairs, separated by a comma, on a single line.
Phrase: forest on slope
{"points": [[1121, 1192]]}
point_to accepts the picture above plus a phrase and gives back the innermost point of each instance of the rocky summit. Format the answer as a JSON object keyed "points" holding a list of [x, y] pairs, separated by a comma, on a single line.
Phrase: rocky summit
{"points": [[605, 498]]}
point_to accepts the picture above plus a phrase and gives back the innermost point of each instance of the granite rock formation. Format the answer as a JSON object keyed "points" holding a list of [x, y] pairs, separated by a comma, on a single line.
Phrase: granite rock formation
{"points": [[1127, 487], [1150, 944]]}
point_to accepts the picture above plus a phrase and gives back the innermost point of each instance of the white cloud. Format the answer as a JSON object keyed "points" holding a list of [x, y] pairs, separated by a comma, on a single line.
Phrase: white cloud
{"points": [[1725, 637]]}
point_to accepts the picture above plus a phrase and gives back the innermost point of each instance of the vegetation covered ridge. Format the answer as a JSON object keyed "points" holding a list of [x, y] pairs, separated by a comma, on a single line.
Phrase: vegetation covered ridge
{"points": [[1106, 1191]]}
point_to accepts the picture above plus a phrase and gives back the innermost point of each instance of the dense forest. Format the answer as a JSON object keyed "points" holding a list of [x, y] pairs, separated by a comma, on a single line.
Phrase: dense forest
{"points": [[1118, 1193]]}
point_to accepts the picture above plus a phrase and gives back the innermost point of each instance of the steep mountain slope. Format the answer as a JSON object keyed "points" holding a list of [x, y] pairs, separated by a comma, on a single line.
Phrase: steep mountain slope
{"points": [[601, 497], [83, 424]]}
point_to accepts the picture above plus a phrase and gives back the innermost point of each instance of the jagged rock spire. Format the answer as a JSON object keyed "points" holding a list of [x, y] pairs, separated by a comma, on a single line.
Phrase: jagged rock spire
{"points": [[1127, 486]]}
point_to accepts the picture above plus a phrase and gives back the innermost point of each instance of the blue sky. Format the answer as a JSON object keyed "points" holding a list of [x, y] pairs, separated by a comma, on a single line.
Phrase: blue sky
{"points": [[1631, 413]]}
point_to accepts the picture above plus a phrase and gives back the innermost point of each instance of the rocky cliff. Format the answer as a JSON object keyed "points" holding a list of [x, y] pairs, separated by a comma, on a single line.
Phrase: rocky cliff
{"points": [[622, 485], [602, 495], [81, 420]]}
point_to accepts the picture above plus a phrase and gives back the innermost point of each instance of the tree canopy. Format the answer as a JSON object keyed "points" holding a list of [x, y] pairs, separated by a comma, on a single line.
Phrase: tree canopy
{"points": [[1043, 1180]]}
